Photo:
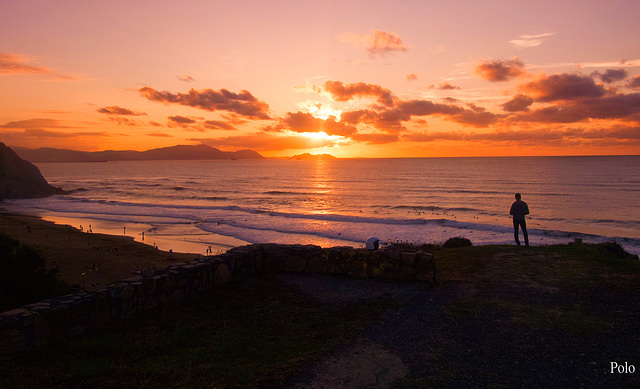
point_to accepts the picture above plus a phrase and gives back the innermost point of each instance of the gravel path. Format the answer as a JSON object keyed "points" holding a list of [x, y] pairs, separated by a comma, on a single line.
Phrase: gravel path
{"points": [[513, 332]]}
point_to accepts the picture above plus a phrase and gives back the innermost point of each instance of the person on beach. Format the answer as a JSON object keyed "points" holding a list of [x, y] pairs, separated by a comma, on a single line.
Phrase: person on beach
{"points": [[519, 209]]}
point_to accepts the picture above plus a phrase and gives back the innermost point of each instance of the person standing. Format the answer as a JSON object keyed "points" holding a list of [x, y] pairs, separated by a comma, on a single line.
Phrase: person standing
{"points": [[519, 209]]}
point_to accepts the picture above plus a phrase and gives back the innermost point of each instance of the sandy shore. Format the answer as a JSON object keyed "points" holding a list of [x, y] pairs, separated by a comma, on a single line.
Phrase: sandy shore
{"points": [[102, 258]]}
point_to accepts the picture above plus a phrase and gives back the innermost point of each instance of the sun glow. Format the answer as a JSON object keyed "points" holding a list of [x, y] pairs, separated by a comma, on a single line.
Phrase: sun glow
{"points": [[320, 110]]}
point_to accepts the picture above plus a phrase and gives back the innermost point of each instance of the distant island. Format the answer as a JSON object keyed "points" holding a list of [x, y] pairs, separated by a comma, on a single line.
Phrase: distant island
{"points": [[307, 156], [174, 153]]}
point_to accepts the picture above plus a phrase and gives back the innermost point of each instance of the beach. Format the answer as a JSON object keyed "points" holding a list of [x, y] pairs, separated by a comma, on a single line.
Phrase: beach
{"points": [[89, 260]]}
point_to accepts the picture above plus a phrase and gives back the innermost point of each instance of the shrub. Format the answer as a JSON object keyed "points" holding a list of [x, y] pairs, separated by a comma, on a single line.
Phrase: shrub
{"points": [[24, 277], [457, 242]]}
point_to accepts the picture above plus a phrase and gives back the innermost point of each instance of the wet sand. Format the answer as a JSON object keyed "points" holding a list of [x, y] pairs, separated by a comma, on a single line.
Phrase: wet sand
{"points": [[102, 258]]}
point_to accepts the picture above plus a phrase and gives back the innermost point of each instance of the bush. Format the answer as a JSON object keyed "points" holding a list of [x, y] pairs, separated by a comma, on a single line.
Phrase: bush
{"points": [[24, 278], [615, 249], [452, 243]]}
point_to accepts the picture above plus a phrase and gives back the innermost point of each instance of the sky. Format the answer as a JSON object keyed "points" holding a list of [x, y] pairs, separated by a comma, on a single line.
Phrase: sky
{"points": [[349, 78]]}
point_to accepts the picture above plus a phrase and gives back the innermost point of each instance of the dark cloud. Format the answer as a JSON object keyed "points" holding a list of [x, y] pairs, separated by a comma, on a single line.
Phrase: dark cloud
{"points": [[391, 119], [115, 110], [562, 87], [520, 103], [635, 82], [218, 125], [475, 118], [185, 78], [305, 122], [611, 75], [344, 92], [123, 121], [444, 86], [500, 70], [181, 120], [620, 106], [243, 103]]}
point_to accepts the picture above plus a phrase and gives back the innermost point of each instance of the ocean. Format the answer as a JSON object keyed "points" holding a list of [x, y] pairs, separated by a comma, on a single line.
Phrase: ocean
{"points": [[191, 206]]}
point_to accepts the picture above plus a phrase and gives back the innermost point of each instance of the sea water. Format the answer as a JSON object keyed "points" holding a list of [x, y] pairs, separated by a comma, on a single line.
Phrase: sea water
{"points": [[193, 205]]}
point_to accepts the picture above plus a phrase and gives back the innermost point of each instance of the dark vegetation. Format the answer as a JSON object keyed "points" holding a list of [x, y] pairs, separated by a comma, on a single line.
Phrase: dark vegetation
{"points": [[253, 334], [502, 316], [24, 278]]}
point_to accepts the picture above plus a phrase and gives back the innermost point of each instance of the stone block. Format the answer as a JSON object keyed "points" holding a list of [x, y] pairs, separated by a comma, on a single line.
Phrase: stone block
{"points": [[407, 258], [295, 264], [221, 275]]}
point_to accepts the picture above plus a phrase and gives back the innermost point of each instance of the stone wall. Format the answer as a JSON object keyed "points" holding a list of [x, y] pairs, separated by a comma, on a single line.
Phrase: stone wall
{"points": [[52, 320]]}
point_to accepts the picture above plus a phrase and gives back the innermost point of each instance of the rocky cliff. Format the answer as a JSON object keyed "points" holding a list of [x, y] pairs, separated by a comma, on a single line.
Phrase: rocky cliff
{"points": [[20, 179]]}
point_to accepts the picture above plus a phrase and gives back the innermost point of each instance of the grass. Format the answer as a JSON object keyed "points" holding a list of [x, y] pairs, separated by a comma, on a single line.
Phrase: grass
{"points": [[240, 337]]}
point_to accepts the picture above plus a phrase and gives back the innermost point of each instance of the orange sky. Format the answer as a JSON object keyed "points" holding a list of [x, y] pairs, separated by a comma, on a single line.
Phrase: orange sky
{"points": [[349, 78]]}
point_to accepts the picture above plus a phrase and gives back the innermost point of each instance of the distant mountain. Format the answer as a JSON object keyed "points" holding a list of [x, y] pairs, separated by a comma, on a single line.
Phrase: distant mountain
{"points": [[174, 153], [307, 156], [20, 179]]}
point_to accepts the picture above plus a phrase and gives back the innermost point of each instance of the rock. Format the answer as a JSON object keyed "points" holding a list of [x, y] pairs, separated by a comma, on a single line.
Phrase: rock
{"points": [[20, 179]]}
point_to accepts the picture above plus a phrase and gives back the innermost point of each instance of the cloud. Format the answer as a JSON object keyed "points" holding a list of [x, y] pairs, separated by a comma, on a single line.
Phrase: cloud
{"points": [[35, 123], [269, 141], [620, 106], [181, 120], [16, 64], [158, 134], [562, 87], [411, 77], [115, 110], [185, 78], [243, 103], [378, 42], [533, 136], [635, 82], [524, 41], [444, 86], [376, 138], [305, 122], [40, 133], [518, 104], [500, 70], [340, 91], [625, 63], [391, 119], [123, 121], [218, 125], [611, 75]]}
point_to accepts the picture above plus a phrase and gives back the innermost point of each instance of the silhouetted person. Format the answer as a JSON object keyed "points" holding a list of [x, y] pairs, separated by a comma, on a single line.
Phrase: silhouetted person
{"points": [[519, 209]]}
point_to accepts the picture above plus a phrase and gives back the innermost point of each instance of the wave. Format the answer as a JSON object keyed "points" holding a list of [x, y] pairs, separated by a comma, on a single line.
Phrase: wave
{"points": [[256, 225], [287, 193]]}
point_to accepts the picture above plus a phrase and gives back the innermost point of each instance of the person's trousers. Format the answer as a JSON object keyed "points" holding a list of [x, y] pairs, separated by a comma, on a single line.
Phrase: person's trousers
{"points": [[517, 224]]}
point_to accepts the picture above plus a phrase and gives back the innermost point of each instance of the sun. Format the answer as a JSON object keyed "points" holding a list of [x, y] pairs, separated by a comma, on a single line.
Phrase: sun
{"points": [[317, 135]]}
